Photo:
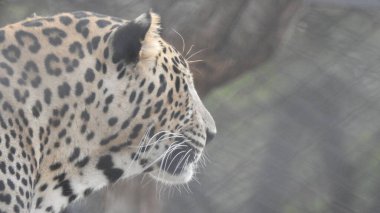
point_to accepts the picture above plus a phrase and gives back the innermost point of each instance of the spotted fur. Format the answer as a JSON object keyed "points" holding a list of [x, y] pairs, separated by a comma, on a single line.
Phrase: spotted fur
{"points": [[87, 99]]}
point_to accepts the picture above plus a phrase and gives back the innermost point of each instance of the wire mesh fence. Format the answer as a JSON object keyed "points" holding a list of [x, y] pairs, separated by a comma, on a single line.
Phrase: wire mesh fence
{"points": [[301, 134]]}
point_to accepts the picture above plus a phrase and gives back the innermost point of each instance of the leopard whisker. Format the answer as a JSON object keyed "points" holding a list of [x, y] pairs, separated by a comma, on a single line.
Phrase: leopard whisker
{"points": [[183, 40], [196, 53], [179, 163], [191, 47], [195, 61]]}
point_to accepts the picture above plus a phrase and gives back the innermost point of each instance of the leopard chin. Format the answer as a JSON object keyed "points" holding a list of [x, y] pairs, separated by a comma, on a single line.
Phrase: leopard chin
{"points": [[185, 176]]}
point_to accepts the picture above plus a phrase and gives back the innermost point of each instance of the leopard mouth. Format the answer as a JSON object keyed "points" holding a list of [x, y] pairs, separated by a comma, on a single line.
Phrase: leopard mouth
{"points": [[177, 161]]}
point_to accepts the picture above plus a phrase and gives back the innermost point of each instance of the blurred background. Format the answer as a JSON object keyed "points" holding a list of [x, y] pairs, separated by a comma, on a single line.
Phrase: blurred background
{"points": [[294, 87]]}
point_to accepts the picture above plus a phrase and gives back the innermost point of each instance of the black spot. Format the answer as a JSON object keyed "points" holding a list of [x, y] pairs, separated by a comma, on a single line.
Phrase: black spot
{"points": [[158, 106], [21, 35], [22, 116], [108, 139], [113, 174], [62, 133], [89, 47], [2, 186], [170, 96], [105, 162], [7, 68], [2, 123], [102, 23], [11, 184], [104, 68], [65, 20], [81, 27], [85, 116], [54, 35], [47, 96], [83, 162], [59, 178], [78, 89], [177, 84], [98, 65], [109, 99], [49, 60], [135, 111], [64, 90], [125, 124], [132, 96], [112, 121], [149, 169], [150, 87], [162, 87], [139, 99], [90, 136], [74, 155], [76, 47], [21, 97], [165, 67], [135, 131], [147, 113], [143, 162], [70, 64], [95, 42], [89, 75], [87, 192], [106, 36], [66, 188], [106, 53], [5, 198], [19, 201], [176, 70], [55, 166], [38, 202], [32, 72], [2, 167], [11, 53], [83, 128], [36, 109], [43, 187], [64, 109], [72, 198], [100, 84], [134, 156], [4, 81], [162, 114], [90, 99]]}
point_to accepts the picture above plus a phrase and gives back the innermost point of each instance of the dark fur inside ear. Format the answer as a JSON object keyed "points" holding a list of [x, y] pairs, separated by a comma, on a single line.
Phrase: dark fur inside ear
{"points": [[127, 39]]}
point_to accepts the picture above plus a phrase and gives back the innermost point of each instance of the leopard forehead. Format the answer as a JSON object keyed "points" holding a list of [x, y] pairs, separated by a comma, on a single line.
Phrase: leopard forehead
{"points": [[88, 99]]}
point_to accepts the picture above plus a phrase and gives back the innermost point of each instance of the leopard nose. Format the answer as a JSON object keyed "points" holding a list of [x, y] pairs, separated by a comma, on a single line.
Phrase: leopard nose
{"points": [[209, 136]]}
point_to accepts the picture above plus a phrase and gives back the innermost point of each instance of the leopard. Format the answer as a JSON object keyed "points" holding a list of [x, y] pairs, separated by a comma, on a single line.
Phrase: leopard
{"points": [[88, 99]]}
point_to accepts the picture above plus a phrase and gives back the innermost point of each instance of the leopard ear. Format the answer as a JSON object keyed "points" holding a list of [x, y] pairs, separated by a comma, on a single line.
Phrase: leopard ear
{"points": [[137, 40]]}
